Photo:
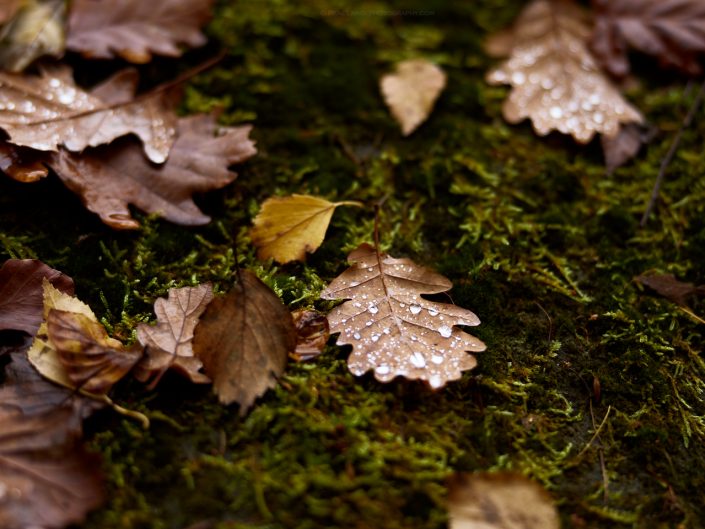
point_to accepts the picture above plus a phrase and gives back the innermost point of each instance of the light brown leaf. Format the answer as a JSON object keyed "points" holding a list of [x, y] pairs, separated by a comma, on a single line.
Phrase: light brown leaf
{"points": [[8, 9], [43, 112], [288, 227], [499, 501], [134, 29], [111, 177], [312, 334], [411, 91], [555, 80], [35, 29], [244, 339], [672, 30], [393, 330], [21, 293], [22, 164], [669, 287], [169, 342]]}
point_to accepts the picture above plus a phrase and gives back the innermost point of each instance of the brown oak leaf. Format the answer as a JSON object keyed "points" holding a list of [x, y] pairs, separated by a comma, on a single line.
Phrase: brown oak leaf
{"points": [[555, 80], [672, 30], [134, 29], [21, 293], [244, 339], [111, 177], [503, 500], [45, 111], [393, 330], [169, 342]]}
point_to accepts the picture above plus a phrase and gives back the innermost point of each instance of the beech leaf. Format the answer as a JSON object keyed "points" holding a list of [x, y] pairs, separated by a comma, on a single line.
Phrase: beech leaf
{"points": [[45, 111], [244, 339], [393, 330], [312, 333], [134, 29], [288, 227], [555, 80], [499, 501], [411, 91], [21, 293], [169, 342], [672, 30], [111, 177]]}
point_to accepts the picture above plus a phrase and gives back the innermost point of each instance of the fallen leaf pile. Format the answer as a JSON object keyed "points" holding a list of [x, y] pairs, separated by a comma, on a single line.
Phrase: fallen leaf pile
{"points": [[88, 136]]}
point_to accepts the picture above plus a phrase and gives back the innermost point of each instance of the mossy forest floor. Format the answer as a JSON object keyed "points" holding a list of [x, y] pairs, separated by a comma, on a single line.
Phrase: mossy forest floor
{"points": [[537, 240]]}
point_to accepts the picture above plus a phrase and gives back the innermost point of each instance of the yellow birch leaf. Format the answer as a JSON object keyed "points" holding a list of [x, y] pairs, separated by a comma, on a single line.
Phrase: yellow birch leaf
{"points": [[288, 227]]}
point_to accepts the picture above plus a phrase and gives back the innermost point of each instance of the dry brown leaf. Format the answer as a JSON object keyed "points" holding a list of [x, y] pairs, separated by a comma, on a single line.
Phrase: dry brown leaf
{"points": [[669, 287], [244, 339], [411, 91], [8, 8], [499, 501], [45, 111], [623, 147], [312, 334], [135, 29], [36, 29], [393, 330], [22, 164], [672, 30], [111, 177], [169, 343], [21, 293], [288, 227], [555, 80]]}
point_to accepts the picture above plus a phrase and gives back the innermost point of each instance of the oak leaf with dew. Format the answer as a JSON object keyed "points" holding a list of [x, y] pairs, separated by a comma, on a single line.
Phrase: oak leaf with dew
{"points": [[22, 164], [555, 80], [134, 29], [168, 344], [672, 30], [411, 91], [393, 330], [21, 293], [243, 340], [111, 177], [288, 227], [499, 501], [45, 111], [36, 29]]}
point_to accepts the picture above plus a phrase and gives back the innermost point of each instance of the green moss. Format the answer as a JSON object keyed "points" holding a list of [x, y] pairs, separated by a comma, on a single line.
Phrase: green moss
{"points": [[537, 240]]}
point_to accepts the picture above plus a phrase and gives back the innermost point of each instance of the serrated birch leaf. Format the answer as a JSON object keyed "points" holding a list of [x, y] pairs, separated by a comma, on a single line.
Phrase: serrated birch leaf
{"points": [[46, 111], [394, 331], [288, 227], [555, 80], [411, 91], [169, 343], [499, 501], [243, 340]]}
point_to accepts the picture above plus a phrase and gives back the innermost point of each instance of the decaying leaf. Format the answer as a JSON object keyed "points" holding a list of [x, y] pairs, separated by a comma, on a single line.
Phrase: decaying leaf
{"points": [[244, 339], [499, 501], [288, 227], [35, 29], [21, 293], [669, 287], [8, 8], [169, 342], [621, 148], [672, 30], [411, 91], [312, 333], [111, 177], [45, 111], [73, 349], [555, 80], [21, 164], [134, 29], [393, 330]]}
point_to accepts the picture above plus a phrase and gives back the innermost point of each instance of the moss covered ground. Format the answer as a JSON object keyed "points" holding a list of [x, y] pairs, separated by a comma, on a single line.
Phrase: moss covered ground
{"points": [[537, 240]]}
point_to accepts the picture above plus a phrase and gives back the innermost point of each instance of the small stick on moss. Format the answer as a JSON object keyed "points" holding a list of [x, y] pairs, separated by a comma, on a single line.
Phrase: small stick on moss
{"points": [[596, 434], [671, 153]]}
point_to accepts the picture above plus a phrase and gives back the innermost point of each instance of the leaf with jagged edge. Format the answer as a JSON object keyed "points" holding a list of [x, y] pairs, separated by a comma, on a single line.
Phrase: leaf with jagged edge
{"points": [[555, 80], [394, 331]]}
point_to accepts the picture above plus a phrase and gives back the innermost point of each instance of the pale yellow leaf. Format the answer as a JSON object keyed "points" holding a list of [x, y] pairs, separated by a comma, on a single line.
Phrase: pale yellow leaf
{"points": [[411, 91], [555, 80], [288, 227]]}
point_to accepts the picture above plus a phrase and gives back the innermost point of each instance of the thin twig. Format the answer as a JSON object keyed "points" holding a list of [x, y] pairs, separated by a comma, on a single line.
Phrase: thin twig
{"points": [[596, 434], [671, 153]]}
